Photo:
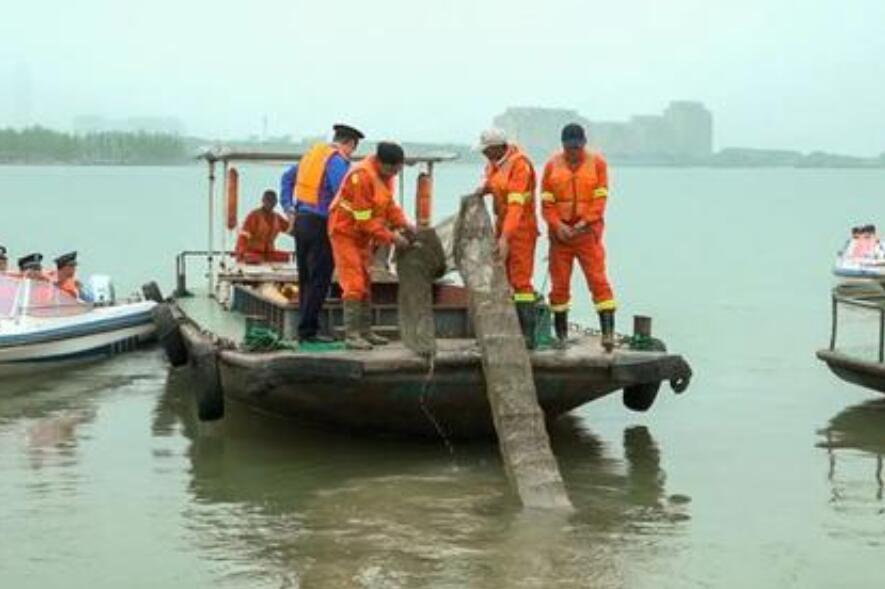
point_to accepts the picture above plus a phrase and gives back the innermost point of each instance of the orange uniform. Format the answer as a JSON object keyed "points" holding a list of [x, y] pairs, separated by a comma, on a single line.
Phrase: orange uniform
{"points": [[511, 181], [255, 243], [69, 286], [570, 195], [360, 217]]}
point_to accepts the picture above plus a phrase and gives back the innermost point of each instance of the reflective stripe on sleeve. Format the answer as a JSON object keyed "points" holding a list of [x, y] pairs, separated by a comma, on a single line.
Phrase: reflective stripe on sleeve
{"points": [[358, 214], [519, 198], [548, 197], [600, 193]]}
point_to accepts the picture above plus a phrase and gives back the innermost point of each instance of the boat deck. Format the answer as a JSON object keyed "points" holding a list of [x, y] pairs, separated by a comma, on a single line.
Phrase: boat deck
{"points": [[207, 314]]}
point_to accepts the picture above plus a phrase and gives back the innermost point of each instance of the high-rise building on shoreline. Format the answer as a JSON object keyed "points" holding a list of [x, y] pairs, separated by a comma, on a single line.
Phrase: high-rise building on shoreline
{"points": [[684, 131]]}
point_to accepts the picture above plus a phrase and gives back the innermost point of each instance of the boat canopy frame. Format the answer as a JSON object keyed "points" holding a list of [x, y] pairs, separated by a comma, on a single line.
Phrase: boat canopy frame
{"points": [[869, 301], [227, 156]]}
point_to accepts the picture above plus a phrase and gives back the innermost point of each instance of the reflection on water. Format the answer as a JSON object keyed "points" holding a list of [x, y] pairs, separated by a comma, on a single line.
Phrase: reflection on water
{"points": [[287, 506], [857, 430]]}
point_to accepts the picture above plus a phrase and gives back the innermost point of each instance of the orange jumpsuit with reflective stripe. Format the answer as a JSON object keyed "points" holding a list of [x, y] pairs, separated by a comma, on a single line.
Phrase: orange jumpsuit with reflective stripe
{"points": [[569, 195], [360, 217], [511, 181], [255, 243]]}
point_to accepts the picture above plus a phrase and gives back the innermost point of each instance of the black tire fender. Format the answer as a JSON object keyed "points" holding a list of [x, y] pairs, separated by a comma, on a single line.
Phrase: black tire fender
{"points": [[169, 335]]}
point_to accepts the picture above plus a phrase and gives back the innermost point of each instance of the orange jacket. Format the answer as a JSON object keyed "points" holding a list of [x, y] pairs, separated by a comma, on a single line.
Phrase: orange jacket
{"points": [[570, 195], [364, 207], [511, 182], [259, 231], [69, 286]]}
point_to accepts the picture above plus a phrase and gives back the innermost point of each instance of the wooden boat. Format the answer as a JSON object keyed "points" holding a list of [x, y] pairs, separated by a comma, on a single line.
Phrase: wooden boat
{"points": [[864, 370], [42, 327], [388, 389]]}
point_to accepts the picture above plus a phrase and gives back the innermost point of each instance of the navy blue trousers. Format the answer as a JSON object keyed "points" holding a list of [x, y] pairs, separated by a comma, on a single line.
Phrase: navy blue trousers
{"points": [[313, 252]]}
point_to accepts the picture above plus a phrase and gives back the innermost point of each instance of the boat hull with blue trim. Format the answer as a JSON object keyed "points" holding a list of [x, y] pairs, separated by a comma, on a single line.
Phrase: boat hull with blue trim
{"points": [[34, 344]]}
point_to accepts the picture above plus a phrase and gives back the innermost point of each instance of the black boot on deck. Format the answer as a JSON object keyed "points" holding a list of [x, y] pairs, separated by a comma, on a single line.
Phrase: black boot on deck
{"points": [[560, 326], [607, 325], [526, 314]]}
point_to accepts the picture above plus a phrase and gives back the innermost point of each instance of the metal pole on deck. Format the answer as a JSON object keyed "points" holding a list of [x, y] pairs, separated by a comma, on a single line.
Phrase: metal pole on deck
{"points": [[210, 249], [223, 228]]}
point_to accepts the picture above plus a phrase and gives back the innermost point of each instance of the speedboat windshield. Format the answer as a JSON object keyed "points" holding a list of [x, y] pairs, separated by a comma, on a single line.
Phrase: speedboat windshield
{"points": [[36, 298], [8, 294]]}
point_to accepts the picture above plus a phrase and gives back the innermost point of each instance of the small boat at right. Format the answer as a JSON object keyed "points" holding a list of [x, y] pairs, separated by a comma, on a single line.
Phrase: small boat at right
{"points": [[862, 259], [853, 357]]}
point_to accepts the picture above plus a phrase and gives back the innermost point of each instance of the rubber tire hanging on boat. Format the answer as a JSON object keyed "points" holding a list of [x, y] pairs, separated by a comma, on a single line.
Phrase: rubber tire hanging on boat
{"points": [[152, 292], [208, 394], [169, 335], [641, 397]]}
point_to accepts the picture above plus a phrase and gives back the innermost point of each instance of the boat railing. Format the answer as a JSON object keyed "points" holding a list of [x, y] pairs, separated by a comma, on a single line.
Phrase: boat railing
{"points": [[181, 267], [869, 302]]}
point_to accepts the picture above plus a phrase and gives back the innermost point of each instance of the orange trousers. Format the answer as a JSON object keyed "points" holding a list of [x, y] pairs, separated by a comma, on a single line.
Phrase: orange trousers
{"points": [[590, 252], [521, 264], [353, 262]]}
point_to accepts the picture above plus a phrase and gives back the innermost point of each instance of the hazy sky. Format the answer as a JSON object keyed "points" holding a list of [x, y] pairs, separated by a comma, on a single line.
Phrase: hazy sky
{"points": [[792, 74]]}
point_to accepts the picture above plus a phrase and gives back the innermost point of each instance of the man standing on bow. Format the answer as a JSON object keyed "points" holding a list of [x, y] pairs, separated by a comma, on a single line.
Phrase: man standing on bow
{"points": [[315, 181], [510, 179], [574, 192]]}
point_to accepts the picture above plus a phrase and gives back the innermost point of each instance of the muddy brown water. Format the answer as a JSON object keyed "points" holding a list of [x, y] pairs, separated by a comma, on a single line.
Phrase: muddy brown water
{"points": [[767, 472]]}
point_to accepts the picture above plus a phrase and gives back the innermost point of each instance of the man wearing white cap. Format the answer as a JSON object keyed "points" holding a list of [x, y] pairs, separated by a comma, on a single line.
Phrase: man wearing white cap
{"points": [[510, 179]]}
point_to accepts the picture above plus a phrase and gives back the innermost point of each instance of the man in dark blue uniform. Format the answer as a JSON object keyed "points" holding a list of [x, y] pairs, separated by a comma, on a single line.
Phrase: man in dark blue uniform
{"points": [[307, 191]]}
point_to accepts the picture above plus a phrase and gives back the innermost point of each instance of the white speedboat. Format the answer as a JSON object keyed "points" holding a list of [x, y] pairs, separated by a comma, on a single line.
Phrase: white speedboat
{"points": [[850, 268], [42, 326]]}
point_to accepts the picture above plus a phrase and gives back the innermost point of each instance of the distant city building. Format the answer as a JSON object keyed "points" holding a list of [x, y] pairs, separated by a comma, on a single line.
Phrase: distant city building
{"points": [[85, 125], [683, 132]]}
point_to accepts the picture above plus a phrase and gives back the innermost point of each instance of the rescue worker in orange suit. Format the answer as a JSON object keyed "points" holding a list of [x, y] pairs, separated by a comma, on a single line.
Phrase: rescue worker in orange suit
{"points": [[363, 215], [259, 231], [315, 181], [574, 192], [510, 179]]}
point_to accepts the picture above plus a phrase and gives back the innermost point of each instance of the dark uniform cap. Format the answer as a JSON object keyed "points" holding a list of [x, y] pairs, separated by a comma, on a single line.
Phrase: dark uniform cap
{"points": [[348, 132], [2, 252], [390, 153], [30, 262], [573, 136], [69, 259]]}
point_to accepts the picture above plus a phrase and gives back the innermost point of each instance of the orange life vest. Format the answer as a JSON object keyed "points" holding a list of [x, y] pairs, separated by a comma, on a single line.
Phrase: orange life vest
{"points": [[574, 191], [498, 180], [310, 173], [382, 193]]}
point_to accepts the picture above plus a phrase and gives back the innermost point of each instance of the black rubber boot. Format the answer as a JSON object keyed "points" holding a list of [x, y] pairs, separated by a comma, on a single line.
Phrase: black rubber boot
{"points": [[607, 325], [526, 314], [560, 326]]}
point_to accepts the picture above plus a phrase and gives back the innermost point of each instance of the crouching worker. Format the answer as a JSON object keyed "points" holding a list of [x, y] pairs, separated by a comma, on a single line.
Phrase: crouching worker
{"points": [[574, 191], [364, 214], [255, 243]]}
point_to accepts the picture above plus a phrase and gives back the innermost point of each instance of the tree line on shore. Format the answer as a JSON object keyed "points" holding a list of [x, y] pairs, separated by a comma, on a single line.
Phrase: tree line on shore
{"points": [[41, 145]]}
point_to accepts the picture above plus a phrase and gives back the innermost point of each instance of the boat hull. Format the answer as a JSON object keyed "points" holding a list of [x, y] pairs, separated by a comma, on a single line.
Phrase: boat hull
{"points": [[866, 374], [89, 338], [393, 391]]}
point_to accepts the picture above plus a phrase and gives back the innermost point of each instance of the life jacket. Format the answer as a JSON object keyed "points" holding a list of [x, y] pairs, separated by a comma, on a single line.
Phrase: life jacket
{"points": [[575, 192], [310, 173], [498, 179], [69, 286], [345, 213]]}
